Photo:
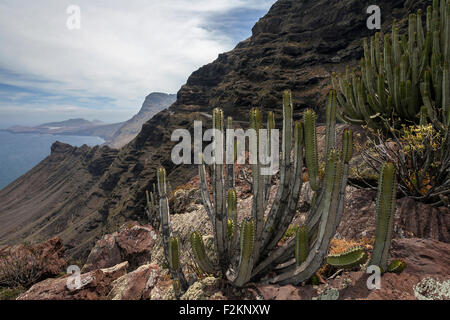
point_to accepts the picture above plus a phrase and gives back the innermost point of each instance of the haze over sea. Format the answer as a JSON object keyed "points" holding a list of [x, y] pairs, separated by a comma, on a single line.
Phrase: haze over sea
{"points": [[21, 152]]}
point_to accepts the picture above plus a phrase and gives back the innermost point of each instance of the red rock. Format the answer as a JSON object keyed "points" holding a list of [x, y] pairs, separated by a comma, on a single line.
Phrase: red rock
{"points": [[132, 243], [135, 285], [288, 292], [95, 285], [412, 219]]}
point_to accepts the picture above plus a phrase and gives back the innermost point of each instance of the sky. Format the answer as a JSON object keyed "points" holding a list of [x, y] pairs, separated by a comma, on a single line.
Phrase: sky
{"points": [[51, 70]]}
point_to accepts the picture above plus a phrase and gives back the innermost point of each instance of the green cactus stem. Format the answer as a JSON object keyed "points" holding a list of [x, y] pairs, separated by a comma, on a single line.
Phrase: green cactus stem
{"points": [[246, 256], [301, 245], [385, 209], [312, 161], [201, 258], [174, 254], [170, 243], [351, 258]]}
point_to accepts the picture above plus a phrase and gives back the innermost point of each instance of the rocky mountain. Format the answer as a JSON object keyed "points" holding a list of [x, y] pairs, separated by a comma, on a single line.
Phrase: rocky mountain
{"points": [[154, 103], [116, 135], [296, 45]]}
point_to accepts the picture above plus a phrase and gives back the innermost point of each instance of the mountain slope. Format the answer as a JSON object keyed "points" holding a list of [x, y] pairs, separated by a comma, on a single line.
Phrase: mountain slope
{"points": [[295, 46], [154, 103]]}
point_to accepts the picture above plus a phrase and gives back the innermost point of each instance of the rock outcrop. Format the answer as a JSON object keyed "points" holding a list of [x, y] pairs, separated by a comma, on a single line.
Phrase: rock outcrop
{"points": [[132, 243], [154, 103], [95, 285]]}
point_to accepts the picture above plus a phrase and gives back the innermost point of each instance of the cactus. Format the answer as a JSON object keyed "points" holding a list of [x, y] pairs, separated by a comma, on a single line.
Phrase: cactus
{"points": [[385, 209], [198, 248], [250, 250], [171, 248], [397, 81], [258, 236], [396, 266], [351, 258], [301, 245]]}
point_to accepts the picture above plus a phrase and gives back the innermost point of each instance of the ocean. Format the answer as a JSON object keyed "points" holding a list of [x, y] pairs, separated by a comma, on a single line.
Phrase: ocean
{"points": [[21, 152]]}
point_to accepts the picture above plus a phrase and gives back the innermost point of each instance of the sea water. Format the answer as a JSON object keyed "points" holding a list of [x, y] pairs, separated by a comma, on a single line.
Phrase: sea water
{"points": [[21, 152]]}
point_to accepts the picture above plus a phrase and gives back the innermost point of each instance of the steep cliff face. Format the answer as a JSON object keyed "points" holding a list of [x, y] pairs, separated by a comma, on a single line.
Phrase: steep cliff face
{"points": [[154, 103], [58, 196], [295, 46]]}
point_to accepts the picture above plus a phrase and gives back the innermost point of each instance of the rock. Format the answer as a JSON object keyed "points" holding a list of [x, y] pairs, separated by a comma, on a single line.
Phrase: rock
{"points": [[424, 221], [412, 219], [287, 292], [425, 260], [95, 285], [205, 289], [422, 256], [132, 243], [136, 285]]}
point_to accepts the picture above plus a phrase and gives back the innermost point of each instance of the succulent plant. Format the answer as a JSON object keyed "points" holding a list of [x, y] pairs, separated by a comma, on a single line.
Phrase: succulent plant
{"points": [[351, 258], [257, 238], [171, 246], [406, 81], [385, 209]]}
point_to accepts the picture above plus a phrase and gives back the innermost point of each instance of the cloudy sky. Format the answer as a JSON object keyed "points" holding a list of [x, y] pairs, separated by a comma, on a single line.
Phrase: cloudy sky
{"points": [[124, 50]]}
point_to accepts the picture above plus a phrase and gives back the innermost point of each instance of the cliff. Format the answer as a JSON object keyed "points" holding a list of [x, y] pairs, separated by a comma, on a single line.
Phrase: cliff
{"points": [[154, 103]]}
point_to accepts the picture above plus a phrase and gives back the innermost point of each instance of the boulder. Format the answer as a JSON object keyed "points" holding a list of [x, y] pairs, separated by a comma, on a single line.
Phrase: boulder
{"points": [[412, 219], [136, 285], [132, 243], [95, 285]]}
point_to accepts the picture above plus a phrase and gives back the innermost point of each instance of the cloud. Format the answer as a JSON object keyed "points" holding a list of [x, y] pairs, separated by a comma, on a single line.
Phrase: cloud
{"points": [[123, 51]]}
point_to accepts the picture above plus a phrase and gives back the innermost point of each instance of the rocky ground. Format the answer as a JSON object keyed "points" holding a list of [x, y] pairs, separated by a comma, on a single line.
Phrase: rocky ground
{"points": [[129, 264]]}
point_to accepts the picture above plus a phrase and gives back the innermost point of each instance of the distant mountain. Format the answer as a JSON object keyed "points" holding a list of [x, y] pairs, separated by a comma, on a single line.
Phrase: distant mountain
{"points": [[154, 103], [79, 127], [116, 135]]}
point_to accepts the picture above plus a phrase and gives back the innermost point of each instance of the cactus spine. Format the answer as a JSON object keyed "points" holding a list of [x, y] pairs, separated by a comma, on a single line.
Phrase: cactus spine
{"points": [[385, 208]]}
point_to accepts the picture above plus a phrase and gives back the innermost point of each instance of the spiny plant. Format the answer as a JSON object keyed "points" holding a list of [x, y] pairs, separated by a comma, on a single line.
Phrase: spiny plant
{"points": [[406, 81], [247, 247], [350, 258], [385, 208], [170, 243]]}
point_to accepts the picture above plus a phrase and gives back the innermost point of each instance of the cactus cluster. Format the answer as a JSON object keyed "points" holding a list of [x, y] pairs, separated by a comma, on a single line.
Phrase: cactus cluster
{"points": [[406, 79], [247, 247]]}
